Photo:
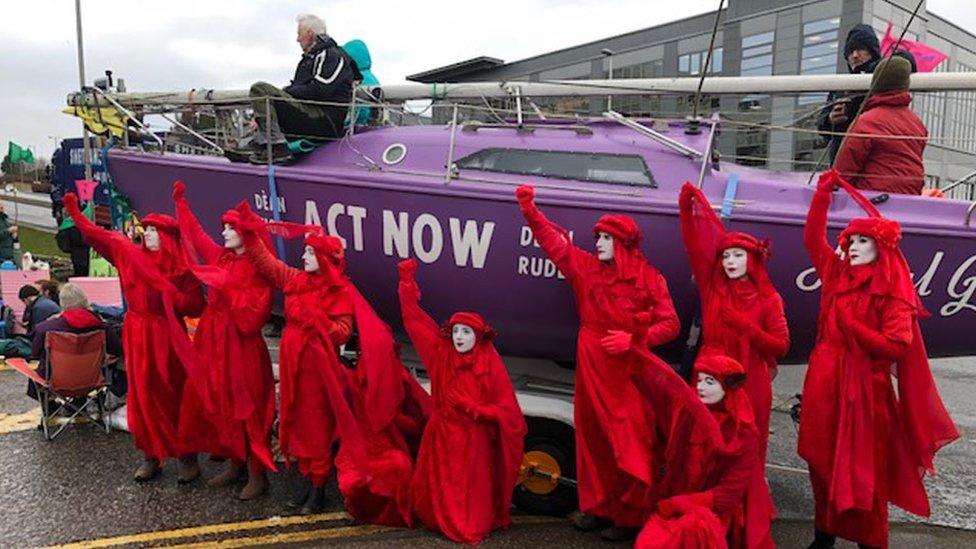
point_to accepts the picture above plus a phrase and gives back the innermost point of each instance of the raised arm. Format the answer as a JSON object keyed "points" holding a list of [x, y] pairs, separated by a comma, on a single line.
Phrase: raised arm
{"points": [[665, 325], [552, 238], [422, 329], [815, 232], [270, 267], [190, 228], [189, 300], [697, 217], [109, 244]]}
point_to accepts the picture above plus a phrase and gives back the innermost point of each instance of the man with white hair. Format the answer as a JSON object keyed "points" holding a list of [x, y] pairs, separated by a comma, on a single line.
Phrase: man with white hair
{"points": [[325, 74]]}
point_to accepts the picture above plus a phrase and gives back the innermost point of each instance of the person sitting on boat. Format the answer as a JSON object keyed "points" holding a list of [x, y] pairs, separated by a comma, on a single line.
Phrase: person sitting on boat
{"points": [[879, 154], [471, 451], [613, 439], [866, 445], [743, 313], [862, 52], [229, 406], [325, 74], [724, 500]]}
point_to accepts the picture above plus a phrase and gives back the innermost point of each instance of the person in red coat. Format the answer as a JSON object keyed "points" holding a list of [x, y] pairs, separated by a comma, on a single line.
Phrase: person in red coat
{"points": [[865, 446], [229, 409], [471, 450], [725, 500], [614, 453], [880, 153], [159, 291], [742, 312], [319, 317]]}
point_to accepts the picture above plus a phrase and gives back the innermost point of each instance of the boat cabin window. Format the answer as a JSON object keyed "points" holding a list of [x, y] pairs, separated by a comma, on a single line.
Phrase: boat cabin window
{"points": [[627, 169]]}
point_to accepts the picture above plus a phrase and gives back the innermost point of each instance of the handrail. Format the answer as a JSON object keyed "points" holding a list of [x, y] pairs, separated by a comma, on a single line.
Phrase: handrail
{"points": [[676, 146], [969, 213], [474, 125], [132, 116]]}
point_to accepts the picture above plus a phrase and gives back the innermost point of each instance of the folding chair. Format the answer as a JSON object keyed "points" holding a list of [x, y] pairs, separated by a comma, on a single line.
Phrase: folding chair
{"points": [[73, 371]]}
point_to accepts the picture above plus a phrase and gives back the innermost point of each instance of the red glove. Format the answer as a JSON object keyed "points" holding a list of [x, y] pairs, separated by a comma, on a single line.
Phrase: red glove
{"points": [[525, 194], [617, 342], [179, 189], [666, 509], [485, 413], [826, 183], [70, 201], [738, 320], [687, 197], [684, 503], [407, 268]]}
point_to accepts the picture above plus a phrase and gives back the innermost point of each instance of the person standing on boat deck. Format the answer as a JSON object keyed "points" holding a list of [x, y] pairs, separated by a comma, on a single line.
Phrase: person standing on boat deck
{"points": [[229, 407], [865, 446], [319, 317], [743, 313], [614, 446], [325, 74], [471, 450], [862, 52], [889, 162], [159, 291]]}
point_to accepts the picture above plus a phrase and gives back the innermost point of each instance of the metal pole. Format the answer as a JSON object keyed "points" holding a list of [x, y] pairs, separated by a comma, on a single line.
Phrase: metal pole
{"points": [[450, 147], [81, 87], [608, 53]]}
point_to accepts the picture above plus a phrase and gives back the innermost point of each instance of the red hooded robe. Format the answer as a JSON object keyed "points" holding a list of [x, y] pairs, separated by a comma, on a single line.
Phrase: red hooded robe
{"points": [[159, 291], [471, 450], [614, 449], [866, 447], [749, 306]]}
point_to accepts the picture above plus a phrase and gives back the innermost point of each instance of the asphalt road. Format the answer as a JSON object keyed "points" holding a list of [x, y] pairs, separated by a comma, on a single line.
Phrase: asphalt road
{"points": [[77, 490]]}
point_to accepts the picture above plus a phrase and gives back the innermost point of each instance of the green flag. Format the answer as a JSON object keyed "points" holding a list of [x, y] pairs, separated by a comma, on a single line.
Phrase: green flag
{"points": [[20, 154]]}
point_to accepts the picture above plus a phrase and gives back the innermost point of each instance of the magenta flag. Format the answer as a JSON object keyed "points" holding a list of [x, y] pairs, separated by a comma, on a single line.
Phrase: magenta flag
{"points": [[926, 57], [86, 189]]}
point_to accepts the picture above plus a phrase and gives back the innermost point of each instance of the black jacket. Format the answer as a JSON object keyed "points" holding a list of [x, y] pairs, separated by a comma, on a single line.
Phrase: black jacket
{"points": [[325, 73], [861, 36], [71, 242]]}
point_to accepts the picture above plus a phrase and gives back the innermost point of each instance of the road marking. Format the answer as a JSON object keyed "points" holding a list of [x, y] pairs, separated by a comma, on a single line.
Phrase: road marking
{"points": [[787, 468], [289, 537], [13, 423], [223, 528]]}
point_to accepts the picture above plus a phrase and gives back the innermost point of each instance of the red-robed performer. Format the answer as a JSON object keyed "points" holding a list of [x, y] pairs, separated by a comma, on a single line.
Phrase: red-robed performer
{"points": [[319, 312], [229, 408], [614, 454], [471, 450], [866, 447], [723, 500], [159, 291], [742, 312]]}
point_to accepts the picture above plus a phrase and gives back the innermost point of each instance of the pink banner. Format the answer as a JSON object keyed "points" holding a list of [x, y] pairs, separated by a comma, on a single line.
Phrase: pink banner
{"points": [[86, 189], [926, 57]]}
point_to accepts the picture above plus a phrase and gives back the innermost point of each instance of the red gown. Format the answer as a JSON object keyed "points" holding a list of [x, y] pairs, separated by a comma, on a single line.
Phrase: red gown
{"points": [[318, 318], [230, 407], [614, 454], [159, 291], [866, 447], [471, 450], [749, 306]]}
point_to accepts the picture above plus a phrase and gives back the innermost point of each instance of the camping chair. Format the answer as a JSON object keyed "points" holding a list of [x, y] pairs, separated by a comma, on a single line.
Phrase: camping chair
{"points": [[73, 372]]}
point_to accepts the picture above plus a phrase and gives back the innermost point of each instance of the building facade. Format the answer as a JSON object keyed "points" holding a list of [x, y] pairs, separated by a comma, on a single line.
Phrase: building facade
{"points": [[761, 38]]}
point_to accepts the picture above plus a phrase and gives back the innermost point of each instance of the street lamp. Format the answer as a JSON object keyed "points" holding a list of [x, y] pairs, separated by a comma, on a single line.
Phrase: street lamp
{"points": [[608, 54]]}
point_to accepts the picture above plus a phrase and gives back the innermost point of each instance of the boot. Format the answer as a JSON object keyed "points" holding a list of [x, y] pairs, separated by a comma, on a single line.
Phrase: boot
{"points": [[230, 475], [587, 523], [315, 502], [300, 496], [257, 485], [618, 533], [822, 540], [189, 469], [148, 470]]}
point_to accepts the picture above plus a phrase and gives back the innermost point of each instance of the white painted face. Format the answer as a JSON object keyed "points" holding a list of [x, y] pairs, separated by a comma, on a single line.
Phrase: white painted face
{"points": [[863, 250], [311, 262], [710, 390], [604, 246], [151, 238], [735, 261], [463, 337], [232, 239]]}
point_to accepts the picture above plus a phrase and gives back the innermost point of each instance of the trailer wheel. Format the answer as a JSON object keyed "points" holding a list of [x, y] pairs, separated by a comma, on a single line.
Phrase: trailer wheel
{"points": [[552, 447]]}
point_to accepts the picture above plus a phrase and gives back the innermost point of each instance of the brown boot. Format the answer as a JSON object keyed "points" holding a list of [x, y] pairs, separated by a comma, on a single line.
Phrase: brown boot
{"points": [[189, 469], [230, 475], [148, 470], [257, 485]]}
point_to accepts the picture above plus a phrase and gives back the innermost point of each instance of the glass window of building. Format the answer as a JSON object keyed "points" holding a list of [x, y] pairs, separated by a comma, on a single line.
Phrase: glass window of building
{"points": [[757, 54], [690, 64], [637, 105]]}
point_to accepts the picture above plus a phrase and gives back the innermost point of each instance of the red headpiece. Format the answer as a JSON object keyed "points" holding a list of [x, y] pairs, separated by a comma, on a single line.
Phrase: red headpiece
{"points": [[732, 375], [622, 227], [885, 232], [761, 249], [162, 222], [477, 323]]}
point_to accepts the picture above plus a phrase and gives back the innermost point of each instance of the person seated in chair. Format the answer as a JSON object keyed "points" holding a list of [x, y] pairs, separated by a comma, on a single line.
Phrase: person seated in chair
{"points": [[76, 318], [37, 308]]}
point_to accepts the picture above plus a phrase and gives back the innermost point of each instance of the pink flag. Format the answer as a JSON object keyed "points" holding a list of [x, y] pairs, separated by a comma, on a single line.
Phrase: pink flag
{"points": [[926, 57], [86, 189]]}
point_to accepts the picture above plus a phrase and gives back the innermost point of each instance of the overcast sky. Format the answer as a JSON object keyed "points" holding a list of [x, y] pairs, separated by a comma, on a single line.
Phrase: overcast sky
{"points": [[227, 44]]}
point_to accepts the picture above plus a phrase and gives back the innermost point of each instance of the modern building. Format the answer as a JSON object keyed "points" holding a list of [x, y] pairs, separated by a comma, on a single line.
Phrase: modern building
{"points": [[760, 38]]}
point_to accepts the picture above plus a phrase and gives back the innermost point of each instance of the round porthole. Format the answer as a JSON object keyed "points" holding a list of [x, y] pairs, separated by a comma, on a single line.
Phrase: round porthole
{"points": [[394, 153]]}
